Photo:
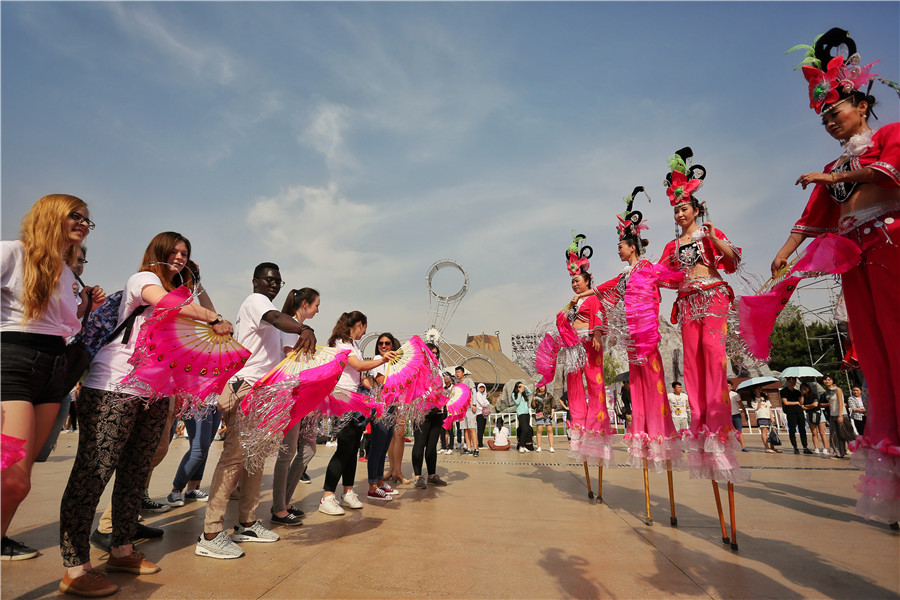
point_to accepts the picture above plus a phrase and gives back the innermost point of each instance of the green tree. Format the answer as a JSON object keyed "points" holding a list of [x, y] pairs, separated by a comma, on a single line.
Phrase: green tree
{"points": [[790, 346], [611, 368]]}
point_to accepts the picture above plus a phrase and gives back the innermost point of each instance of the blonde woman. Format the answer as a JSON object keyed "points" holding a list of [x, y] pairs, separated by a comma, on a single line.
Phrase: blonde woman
{"points": [[41, 307]]}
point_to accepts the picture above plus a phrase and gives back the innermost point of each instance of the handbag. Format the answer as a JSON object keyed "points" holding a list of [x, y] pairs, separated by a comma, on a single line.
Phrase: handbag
{"points": [[846, 431], [486, 411], [773, 438]]}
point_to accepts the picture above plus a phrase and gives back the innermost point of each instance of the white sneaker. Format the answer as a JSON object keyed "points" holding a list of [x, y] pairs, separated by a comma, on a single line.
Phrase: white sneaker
{"points": [[538, 449], [521, 450], [817, 451], [255, 533], [526, 449], [552, 451], [351, 500], [329, 506], [220, 546]]}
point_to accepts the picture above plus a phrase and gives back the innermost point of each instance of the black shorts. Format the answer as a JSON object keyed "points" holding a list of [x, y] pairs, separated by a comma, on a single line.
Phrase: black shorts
{"points": [[31, 375]]}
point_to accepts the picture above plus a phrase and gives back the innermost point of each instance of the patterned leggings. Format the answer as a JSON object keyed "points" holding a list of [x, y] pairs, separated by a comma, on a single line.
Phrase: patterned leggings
{"points": [[118, 435]]}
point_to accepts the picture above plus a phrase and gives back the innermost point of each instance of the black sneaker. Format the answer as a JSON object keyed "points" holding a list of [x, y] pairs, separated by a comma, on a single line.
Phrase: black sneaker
{"points": [[305, 478], [146, 532], [436, 480], [149, 505], [796, 451], [807, 451], [101, 541], [296, 512], [13, 550]]}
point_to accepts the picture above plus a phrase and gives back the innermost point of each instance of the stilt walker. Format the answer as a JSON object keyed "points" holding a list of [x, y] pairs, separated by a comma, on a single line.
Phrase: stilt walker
{"points": [[579, 350], [856, 200], [702, 308], [630, 317]]}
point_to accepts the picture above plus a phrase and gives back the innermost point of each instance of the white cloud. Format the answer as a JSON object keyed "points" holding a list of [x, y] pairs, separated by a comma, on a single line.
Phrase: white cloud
{"points": [[202, 59], [325, 134]]}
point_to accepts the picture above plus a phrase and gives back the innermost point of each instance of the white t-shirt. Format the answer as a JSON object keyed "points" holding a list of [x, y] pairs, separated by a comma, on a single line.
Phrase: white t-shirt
{"points": [[501, 436], [110, 365], [763, 408], [262, 339], [349, 380], [61, 315], [379, 370], [735, 403], [679, 404], [289, 340]]}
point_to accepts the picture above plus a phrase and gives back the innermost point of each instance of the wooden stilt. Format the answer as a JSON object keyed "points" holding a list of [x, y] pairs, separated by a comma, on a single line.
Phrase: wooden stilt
{"points": [[600, 484], [648, 520], [734, 545], [725, 539], [673, 520], [587, 476]]}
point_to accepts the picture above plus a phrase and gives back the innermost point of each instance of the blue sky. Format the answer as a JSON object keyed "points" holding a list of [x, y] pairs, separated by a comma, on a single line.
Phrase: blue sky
{"points": [[357, 143]]}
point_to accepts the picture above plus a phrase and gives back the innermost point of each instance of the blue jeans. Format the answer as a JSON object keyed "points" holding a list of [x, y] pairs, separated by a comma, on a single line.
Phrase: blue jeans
{"points": [[200, 434], [381, 440]]}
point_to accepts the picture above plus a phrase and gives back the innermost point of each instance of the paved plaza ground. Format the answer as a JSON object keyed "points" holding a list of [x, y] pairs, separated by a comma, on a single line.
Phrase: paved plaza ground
{"points": [[508, 525]]}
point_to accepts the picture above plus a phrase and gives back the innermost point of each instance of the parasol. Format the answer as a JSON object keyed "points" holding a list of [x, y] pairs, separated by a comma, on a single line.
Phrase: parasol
{"points": [[177, 356], [754, 381], [800, 372]]}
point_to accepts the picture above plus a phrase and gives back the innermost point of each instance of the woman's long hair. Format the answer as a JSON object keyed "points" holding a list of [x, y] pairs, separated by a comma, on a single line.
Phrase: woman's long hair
{"points": [[45, 239], [343, 326], [156, 255], [296, 298]]}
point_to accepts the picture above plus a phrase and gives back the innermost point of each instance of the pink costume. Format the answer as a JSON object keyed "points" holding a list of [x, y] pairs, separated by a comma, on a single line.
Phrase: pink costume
{"points": [[632, 317], [872, 293], [590, 430], [702, 308]]}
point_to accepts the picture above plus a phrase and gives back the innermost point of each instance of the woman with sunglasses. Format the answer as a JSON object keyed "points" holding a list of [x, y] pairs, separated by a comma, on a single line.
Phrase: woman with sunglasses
{"points": [[382, 432], [41, 306]]}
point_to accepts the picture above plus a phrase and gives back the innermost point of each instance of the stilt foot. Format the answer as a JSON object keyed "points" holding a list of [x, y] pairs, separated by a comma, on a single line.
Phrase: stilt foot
{"points": [[591, 495], [599, 499], [726, 540], [734, 546], [673, 522], [895, 526], [648, 522]]}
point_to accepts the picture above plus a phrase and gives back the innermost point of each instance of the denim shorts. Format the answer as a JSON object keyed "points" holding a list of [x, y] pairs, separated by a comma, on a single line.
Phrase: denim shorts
{"points": [[31, 375], [542, 422]]}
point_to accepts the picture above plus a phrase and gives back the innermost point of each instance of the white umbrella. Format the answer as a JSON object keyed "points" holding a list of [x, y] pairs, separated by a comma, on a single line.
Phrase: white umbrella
{"points": [[756, 381], [800, 372]]}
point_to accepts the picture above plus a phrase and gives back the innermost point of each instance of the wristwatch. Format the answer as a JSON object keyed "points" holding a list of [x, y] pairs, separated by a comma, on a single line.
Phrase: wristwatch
{"points": [[216, 321]]}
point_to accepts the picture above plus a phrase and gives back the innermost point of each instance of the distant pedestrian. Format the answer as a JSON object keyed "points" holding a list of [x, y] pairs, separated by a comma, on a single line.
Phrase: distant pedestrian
{"points": [[857, 409], [763, 408], [679, 403], [793, 410], [736, 418]]}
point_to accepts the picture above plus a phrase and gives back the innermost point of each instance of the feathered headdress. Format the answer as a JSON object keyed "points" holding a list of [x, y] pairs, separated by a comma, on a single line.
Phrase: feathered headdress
{"points": [[577, 255], [631, 221], [684, 177], [833, 70]]}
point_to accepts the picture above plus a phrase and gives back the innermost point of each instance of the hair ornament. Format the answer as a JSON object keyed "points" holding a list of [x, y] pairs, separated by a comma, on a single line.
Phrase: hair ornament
{"points": [[631, 221], [577, 255], [833, 69], [684, 178]]}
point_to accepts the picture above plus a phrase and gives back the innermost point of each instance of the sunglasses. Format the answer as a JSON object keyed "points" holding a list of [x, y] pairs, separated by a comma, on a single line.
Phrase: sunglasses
{"points": [[81, 261], [80, 218], [273, 281]]}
